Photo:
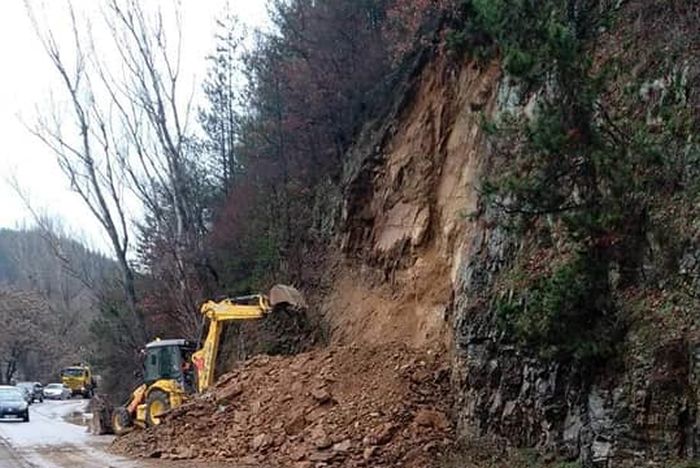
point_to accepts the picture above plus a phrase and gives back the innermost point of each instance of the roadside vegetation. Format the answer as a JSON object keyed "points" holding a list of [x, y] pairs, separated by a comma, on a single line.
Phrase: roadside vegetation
{"points": [[586, 175], [592, 174], [237, 193]]}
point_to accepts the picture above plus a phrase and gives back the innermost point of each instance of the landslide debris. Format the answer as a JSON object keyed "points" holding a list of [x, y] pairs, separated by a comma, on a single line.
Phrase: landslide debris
{"points": [[339, 406]]}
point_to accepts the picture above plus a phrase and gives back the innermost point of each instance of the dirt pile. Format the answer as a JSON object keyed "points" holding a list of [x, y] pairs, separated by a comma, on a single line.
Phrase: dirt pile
{"points": [[286, 331], [341, 406]]}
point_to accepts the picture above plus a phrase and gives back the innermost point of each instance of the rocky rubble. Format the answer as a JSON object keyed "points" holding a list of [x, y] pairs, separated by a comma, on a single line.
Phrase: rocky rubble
{"points": [[340, 406]]}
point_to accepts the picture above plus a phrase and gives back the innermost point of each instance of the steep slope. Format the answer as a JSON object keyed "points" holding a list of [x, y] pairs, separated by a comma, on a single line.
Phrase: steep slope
{"points": [[424, 254], [424, 260], [641, 404], [410, 188]]}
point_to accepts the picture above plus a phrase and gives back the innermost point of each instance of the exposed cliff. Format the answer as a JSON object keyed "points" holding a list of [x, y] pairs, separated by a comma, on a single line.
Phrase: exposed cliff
{"points": [[410, 188], [427, 257], [527, 203]]}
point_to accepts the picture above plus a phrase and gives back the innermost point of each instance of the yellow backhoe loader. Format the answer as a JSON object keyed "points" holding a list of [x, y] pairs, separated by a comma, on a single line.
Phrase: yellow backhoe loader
{"points": [[174, 369]]}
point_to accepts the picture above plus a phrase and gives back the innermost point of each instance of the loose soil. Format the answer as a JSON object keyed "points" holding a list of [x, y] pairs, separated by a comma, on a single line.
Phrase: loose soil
{"points": [[339, 406]]}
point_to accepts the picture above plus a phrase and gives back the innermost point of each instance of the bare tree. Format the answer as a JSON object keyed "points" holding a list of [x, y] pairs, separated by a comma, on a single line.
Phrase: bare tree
{"points": [[28, 326], [86, 152], [131, 133], [155, 112], [53, 232]]}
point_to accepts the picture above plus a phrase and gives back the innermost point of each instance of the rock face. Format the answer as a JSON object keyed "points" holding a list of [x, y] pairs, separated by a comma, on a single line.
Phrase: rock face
{"points": [[420, 248], [639, 409], [644, 408]]}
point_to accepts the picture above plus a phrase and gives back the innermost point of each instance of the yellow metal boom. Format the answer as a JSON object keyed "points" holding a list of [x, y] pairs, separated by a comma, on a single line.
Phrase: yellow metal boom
{"points": [[163, 391], [241, 308]]}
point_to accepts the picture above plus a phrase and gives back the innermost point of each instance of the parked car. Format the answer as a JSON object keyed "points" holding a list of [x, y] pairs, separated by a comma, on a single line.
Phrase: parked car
{"points": [[26, 394], [57, 391], [36, 390], [13, 404]]}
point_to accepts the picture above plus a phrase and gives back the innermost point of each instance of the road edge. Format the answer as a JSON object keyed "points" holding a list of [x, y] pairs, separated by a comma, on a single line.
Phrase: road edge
{"points": [[12, 455]]}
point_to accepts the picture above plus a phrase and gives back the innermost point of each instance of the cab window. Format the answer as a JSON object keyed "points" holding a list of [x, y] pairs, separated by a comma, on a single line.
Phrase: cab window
{"points": [[162, 363]]}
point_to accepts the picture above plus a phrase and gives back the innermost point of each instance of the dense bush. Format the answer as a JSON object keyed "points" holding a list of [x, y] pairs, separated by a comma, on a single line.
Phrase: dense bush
{"points": [[566, 314]]}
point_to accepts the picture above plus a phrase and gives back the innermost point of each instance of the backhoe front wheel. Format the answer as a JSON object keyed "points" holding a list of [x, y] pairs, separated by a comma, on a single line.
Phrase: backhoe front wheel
{"points": [[157, 403], [121, 421]]}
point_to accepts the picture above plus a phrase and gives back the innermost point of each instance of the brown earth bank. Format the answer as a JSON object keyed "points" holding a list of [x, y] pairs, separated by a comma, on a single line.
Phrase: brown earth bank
{"points": [[340, 406]]}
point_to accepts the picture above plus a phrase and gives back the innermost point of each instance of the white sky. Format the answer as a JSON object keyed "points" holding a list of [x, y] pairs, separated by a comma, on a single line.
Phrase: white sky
{"points": [[26, 79]]}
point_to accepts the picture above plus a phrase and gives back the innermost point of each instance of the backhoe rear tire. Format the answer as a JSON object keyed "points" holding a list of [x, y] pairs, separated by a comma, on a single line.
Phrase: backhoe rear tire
{"points": [[157, 403], [121, 421]]}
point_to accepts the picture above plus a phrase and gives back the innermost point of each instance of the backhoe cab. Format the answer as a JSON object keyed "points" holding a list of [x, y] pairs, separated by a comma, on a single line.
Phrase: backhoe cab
{"points": [[174, 369], [168, 379]]}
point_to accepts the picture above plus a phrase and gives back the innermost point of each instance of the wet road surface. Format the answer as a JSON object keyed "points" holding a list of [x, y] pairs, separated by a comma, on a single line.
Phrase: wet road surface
{"points": [[49, 440], [56, 437]]}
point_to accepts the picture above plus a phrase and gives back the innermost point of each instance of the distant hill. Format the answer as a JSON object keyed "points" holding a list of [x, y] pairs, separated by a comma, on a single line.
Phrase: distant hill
{"points": [[29, 259], [64, 276]]}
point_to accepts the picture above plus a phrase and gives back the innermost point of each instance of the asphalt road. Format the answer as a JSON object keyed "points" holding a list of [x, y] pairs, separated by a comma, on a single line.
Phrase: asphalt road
{"points": [[50, 440], [56, 437]]}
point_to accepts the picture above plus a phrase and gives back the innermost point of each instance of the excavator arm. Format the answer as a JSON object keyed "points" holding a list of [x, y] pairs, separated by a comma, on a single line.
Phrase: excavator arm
{"points": [[241, 308], [142, 407], [233, 309]]}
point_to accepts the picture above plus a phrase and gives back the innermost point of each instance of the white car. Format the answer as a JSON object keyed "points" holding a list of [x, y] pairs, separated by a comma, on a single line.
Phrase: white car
{"points": [[57, 391]]}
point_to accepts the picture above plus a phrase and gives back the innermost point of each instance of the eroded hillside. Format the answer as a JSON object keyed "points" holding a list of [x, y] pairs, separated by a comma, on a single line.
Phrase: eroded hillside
{"points": [[424, 263], [411, 187]]}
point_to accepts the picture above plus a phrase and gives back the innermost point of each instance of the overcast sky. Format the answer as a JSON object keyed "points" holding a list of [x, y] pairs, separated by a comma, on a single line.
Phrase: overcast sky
{"points": [[25, 84]]}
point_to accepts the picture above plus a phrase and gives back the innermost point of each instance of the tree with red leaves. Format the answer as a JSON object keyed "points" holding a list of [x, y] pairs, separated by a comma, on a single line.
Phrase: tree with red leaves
{"points": [[309, 89]]}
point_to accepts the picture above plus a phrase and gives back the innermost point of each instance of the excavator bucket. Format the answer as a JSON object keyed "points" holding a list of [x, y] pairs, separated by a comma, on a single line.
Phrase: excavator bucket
{"points": [[286, 296]]}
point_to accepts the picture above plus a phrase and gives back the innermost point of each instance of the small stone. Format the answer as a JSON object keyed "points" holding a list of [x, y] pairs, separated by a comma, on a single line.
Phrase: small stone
{"points": [[316, 413], [262, 360], [296, 425], [432, 418], [249, 460], [342, 447], [261, 441], [420, 376], [319, 438], [383, 434], [298, 453], [369, 452], [430, 446], [321, 456], [229, 393], [321, 395]]}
